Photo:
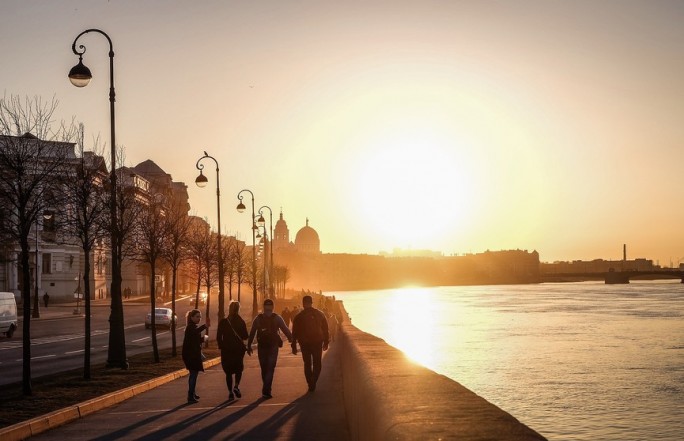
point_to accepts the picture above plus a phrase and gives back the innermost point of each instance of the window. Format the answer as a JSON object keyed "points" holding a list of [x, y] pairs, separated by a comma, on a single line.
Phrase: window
{"points": [[47, 263]]}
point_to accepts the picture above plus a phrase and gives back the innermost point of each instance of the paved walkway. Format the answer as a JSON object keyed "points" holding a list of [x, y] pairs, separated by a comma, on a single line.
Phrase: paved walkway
{"points": [[162, 414]]}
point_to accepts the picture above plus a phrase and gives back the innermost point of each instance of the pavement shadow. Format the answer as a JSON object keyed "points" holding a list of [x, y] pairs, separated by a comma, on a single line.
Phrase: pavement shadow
{"points": [[269, 429], [324, 414], [124, 431]]}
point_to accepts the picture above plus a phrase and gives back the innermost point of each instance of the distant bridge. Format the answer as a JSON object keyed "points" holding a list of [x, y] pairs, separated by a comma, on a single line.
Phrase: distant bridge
{"points": [[614, 277]]}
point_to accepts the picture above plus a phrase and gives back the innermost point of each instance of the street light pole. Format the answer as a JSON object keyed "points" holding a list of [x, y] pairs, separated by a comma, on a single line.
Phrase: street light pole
{"points": [[36, 298], [80, 76], [36, 310], [262, 251], [270, 244], [202, 181], [240, 208]]}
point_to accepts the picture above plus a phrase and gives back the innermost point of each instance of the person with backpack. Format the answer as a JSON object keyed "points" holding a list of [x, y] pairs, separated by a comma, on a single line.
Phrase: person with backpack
{"points": [[230, 336], [310, 329], [266, 327]]}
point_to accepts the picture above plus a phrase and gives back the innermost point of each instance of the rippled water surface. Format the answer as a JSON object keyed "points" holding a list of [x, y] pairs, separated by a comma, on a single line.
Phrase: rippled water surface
{"points": [[582, 361]]}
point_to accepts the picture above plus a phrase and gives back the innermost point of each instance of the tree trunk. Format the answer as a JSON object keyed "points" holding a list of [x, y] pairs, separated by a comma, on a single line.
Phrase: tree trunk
{"points": [[174, 274], [116, 353], [26, 330], [86, 298], [153, 296], [207, 319]]}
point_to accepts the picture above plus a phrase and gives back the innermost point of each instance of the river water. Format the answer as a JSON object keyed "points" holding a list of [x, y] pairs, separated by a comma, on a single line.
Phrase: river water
{"points": [[574, 361]]}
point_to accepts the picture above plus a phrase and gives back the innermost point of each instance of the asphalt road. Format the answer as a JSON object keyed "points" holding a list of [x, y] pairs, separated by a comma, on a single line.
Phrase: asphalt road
{"points": [[58, 339]]}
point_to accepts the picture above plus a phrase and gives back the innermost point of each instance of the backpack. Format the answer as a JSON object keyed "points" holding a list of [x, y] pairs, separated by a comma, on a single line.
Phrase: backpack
{"points": [[267, 332], [310, 326]]}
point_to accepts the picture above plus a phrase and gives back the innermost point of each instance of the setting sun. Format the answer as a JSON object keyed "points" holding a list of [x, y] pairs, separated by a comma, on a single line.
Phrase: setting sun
{"points": [[413, 185]]}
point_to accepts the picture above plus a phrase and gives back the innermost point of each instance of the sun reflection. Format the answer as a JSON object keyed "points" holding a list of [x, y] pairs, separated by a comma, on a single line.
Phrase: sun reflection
{"points": [[413, 313]]}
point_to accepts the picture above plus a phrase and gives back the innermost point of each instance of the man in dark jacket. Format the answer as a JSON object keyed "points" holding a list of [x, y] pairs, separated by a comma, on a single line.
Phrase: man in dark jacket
{"points": [[310, 329], [265, 327]]}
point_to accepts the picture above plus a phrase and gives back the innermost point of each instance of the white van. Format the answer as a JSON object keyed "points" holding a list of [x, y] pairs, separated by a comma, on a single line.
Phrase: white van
{"points": [[8, 313]]}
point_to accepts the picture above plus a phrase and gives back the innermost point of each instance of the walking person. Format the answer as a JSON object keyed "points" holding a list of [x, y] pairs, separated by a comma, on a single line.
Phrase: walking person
{"points": [[46, 299], [266, 327], [192, 351], [231, 336], [310, 329]]}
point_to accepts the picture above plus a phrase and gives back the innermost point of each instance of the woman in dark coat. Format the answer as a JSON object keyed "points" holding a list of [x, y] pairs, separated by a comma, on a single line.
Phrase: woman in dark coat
{"points": [[192, 351], [231, 334]]}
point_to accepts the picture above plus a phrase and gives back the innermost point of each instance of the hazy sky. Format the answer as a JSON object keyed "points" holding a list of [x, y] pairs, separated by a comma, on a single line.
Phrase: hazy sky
{"points": [[457, 126]]}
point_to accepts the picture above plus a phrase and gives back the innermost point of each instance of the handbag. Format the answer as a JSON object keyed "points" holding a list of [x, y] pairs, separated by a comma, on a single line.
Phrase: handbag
{"points": [[244, 348]]}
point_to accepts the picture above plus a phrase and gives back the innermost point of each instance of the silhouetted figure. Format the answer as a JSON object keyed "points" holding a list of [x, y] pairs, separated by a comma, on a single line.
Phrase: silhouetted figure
{"points": [[310, 329], [231, 336], [192, 351], [266, 327], [46, 299]]}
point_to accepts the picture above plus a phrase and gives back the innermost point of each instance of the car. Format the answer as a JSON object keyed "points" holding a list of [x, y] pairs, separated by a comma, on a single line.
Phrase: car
{"points": [[162, 317], [202, 299], [8, 314]]}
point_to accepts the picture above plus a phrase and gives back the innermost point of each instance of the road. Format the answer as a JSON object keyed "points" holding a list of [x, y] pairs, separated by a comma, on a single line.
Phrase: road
{"points": [[58, 338]]}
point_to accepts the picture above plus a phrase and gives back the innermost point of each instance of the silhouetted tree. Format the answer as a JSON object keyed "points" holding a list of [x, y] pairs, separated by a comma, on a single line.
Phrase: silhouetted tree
{"points": [[178, 227], [151, 238], [86, 213], [33, 157]]}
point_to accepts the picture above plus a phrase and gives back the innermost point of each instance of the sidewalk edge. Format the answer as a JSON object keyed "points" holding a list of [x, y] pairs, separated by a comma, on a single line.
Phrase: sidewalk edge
{"points": [[34, 426]]}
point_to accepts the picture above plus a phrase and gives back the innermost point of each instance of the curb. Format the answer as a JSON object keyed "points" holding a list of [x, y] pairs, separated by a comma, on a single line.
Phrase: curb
{"points": [[43, 423]]}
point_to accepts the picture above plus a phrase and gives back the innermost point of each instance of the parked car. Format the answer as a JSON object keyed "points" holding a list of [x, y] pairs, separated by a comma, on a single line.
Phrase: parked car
{"points": [[8, 313], [162, 317]]}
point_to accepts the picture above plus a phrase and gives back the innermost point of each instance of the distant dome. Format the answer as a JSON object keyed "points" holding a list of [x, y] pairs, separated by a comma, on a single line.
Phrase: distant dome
{"points": [[307, 240]]}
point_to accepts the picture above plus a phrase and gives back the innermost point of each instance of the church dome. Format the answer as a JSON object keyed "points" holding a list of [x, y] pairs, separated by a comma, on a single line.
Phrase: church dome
{"points": [[307, 240]]}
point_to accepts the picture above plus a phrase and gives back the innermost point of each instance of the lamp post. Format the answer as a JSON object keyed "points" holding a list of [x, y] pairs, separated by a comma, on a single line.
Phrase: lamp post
{"points": [[80, 76], [262, 252], [36, 298], [241, 208], [262, 222], [201, 182]]}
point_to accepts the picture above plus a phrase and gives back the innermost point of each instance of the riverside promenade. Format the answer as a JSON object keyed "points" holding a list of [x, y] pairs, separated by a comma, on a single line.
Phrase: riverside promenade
{"points": [[368, 390]]}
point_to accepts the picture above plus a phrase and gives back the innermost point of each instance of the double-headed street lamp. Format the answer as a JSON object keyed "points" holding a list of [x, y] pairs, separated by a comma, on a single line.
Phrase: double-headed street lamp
{"points": [[80, 76], [202, 181], [262, 223], [241, 208]]}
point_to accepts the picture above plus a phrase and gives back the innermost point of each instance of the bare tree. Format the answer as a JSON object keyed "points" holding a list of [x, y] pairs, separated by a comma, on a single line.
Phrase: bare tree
{"points": [[210, 269], [240, 258], [33, 156], [85, 220], [197, 242], [129, 198], [178, 227], [230, 264], [151, 238]]}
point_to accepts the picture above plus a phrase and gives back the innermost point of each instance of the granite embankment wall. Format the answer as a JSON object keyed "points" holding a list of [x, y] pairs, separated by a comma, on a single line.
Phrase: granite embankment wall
{"points": [[388, 397]]}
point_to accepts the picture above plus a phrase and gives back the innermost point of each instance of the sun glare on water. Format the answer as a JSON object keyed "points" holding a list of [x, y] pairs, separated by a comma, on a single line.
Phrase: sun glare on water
{"points": [[412, 313]]}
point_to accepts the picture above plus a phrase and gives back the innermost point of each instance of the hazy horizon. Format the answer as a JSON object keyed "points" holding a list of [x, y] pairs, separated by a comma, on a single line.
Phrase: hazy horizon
{"points": [[451, 126]]}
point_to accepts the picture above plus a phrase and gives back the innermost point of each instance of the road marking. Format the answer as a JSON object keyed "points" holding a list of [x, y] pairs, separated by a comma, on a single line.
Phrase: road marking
{"points": [[74, 352], [140, 339], [105, 346], [43, 356]]}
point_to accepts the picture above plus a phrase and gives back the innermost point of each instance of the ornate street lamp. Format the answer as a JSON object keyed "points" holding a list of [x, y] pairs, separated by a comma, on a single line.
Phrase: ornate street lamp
{"points": [[241, 208], [80, 76], [201, 182], [262, 222]]}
